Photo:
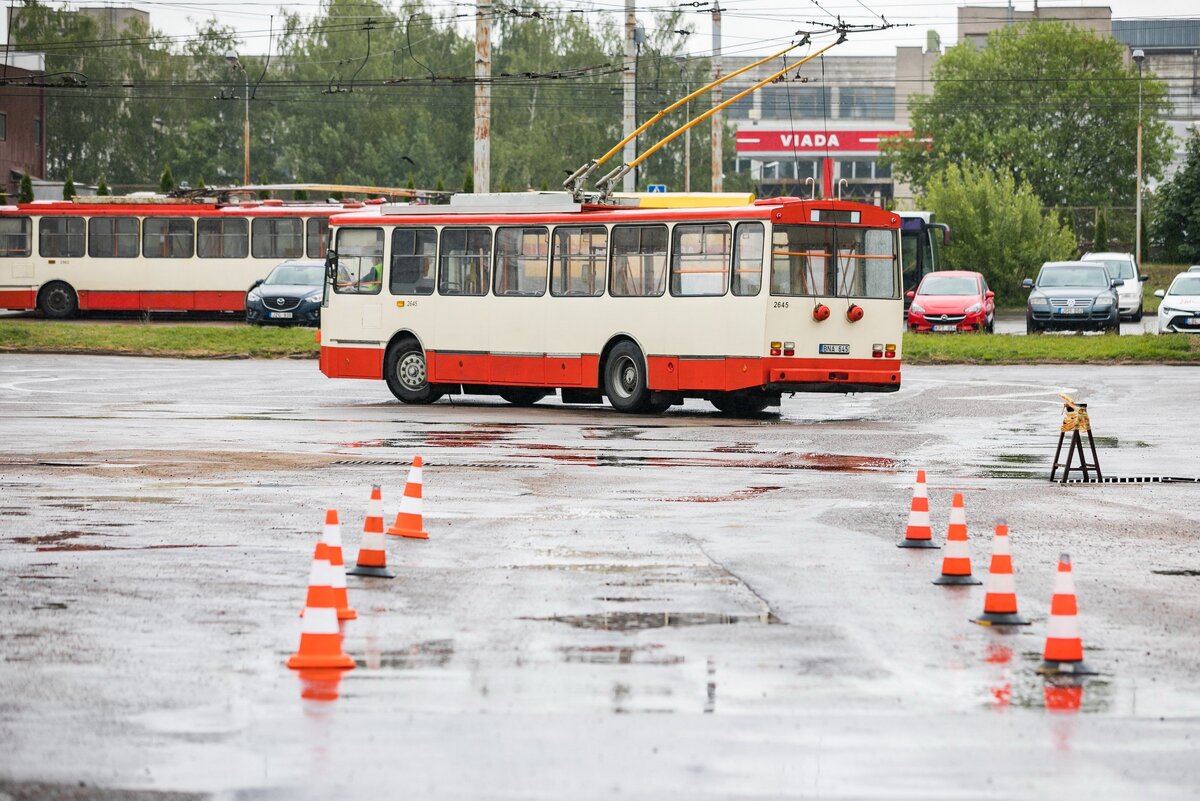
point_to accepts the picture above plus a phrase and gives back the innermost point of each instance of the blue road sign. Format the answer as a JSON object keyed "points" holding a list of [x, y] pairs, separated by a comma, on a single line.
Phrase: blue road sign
{"points": [[657, 188]]}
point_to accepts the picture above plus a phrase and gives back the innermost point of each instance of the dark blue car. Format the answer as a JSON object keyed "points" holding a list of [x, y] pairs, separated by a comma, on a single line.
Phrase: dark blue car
{"points": [[290, 295]]}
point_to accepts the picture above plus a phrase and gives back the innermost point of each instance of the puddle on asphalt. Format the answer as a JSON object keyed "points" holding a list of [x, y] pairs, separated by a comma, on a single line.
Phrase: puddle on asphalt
{"points": [[1180, 572], [428, 654], [63, 541], [736, 495], [641, 621], [619, 655], [625, 599]]}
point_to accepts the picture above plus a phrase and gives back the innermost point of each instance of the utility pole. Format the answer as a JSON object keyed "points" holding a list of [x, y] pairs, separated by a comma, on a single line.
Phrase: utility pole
{"points": [[629, 84], [718, 129], [1138, 56], [483, 96]]}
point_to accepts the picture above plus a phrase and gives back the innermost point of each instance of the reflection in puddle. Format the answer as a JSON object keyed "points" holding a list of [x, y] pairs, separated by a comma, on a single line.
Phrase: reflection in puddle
{"points": [[619, 655], [640, 621], [319, 684], [1000, 681], [736, 495], [428, 654]]}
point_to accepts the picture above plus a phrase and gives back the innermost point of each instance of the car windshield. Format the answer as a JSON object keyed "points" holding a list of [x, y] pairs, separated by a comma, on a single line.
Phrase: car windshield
{"points": [[1186, 285], [949, 285], [299, 274], [1091, 277], [1117, 268]]}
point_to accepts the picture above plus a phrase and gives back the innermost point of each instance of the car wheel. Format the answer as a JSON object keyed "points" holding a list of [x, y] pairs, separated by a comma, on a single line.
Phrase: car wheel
{"points": [[625, 379], [405, 373], [991, 326], [1137, 315], [58, 301], [1031, 327]]}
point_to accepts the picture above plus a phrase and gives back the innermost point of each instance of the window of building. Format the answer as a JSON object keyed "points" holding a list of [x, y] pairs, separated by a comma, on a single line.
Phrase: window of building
{"points": [[167, 237], [578, 262], [748, 259], [739, 109], [37, 133], [15, 238], [277, 238], [700, 259], [867, 102], [639, 261], [113, 237], [61, 237], [359, 261], [3, 126], [787, 101], [414, 257], [522, 258], [318, 236], [466, 261], [218, 238]]}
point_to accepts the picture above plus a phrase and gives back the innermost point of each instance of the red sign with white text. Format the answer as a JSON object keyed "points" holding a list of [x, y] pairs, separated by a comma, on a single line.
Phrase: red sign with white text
{"points": [[806, 141]]}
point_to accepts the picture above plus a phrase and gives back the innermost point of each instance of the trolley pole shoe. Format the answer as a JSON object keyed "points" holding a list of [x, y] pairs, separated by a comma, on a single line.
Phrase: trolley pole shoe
{"points": [[1000, 602], [408, 520], [956, 564], [918, 533], [372, 558], [1064, 646], [320, 638]]}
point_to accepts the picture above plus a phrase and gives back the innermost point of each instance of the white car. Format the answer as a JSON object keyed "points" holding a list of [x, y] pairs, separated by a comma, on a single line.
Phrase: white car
{"points": [[1129, 295], [1179, 309]]}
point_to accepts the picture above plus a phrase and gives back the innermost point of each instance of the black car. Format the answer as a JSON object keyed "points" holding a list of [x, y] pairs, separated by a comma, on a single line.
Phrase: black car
{"points": [[290, 295], [1072, 294]]}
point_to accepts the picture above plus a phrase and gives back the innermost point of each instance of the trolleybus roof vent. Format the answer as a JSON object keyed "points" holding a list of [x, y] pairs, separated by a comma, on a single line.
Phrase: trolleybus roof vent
{"points": [[496, 203]]}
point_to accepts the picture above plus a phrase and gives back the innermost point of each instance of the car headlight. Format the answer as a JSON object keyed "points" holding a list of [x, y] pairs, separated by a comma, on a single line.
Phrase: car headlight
{"points": [[917, 307], [315, 296], [253, 295], [1103, 302], [1172, 310], [974, 307], [1039, 301]]}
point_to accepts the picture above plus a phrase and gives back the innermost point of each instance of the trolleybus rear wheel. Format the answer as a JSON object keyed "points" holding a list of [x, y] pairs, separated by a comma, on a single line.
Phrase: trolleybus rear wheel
{"points": [[404, 371], [58, 301], [740, 405], [625, 379]]}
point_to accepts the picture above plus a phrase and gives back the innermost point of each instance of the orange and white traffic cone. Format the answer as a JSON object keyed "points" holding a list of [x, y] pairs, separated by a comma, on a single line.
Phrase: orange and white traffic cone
{"points": [[918, 533], [332, 538], [320, 638], [1064, 647], [372, 558], [956, 564], [408, 520], [1000, 602]]}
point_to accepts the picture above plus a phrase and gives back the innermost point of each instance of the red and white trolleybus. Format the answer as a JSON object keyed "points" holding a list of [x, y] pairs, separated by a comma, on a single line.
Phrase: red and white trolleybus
{"points": [[523, 295]]}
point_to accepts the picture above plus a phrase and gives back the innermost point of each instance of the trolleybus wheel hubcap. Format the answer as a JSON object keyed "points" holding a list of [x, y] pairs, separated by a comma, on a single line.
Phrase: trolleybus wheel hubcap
{"points": [[412, 371], [627, 377]]}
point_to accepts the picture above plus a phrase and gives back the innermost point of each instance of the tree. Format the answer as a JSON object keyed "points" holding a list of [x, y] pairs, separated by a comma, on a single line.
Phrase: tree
{"points": [[1000, 227], [3, 197], [1053, 105], [469, 181], [166, 184], [1100, 235], [25, 194], [1176, 219], [69, 187], [102, 189]]}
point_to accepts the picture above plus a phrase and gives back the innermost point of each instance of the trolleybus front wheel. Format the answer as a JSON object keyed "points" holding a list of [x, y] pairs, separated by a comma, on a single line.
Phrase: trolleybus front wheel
{"points": [[404, 371], [625, 379], [58, 301]]}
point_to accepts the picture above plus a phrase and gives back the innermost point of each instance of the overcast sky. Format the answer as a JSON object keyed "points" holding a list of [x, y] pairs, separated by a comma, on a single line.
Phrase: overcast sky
{"points": [[749, 26]]}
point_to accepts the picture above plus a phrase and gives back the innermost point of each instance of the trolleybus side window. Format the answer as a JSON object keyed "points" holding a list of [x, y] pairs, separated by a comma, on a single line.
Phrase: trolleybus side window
{"points": [[61, 237], [465, 265], [221, 238], [580, 256], [800, 259], [748, 259], [113, 237], [866, 263], [521, 261], [700, 259], [277, 238], [359, 261], [317, 235], [414, 255], [167, 237], [14, 236], [639, 260]]}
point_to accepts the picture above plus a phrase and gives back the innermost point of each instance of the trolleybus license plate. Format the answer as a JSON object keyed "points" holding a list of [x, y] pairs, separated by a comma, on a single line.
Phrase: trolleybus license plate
{"points": [[834, 348]]}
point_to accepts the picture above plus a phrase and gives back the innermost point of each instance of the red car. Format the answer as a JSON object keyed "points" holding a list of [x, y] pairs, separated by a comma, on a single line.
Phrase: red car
{"points": [[952, 300]]}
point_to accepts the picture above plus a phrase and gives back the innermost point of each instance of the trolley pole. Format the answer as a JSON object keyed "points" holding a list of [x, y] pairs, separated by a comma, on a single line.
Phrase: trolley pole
{"points": [[483, 96], [717, 127], [629, 84]]}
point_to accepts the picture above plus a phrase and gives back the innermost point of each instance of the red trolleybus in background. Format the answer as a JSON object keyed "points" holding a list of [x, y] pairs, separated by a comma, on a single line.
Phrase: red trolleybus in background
{"points": [[523, 295], [150, 253]]}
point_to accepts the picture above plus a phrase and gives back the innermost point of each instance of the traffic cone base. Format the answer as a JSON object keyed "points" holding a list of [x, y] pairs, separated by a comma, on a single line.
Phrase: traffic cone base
{"points": [[917, 544], [1000, 619], [376, 572], [1049, 668], [956, 580]]}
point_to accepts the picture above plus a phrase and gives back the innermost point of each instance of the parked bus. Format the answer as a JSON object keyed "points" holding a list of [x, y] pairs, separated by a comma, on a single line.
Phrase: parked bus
{"points": [[150, 253], [523, 295], [920, 240]]}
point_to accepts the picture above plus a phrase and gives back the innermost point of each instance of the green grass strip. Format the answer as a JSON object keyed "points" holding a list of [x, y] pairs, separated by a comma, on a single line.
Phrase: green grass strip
{"points": [[184, 341], [1051, 349]]}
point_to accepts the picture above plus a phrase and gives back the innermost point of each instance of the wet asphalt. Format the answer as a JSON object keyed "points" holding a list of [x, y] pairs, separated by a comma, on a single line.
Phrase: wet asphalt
{"points": [[676, 606]]}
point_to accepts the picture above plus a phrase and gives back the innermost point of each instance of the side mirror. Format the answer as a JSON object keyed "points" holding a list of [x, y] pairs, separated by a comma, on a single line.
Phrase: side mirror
{"points": [[989, 294], [910, 294], [1027, 283], [1143, 278], [257, 283], [1116, 282], [1160, 293]]}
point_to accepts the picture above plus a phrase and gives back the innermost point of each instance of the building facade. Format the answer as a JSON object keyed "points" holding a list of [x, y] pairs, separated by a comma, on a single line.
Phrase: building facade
{"points": [[22, 120]]}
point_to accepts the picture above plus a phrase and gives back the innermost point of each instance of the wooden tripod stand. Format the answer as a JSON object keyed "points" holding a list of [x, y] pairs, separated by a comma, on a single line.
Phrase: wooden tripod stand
{"points": [[1075, 420]]}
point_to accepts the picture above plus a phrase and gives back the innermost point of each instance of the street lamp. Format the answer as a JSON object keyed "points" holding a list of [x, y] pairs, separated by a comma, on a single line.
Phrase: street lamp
{"points": [[232, 57], [1138, 57]]}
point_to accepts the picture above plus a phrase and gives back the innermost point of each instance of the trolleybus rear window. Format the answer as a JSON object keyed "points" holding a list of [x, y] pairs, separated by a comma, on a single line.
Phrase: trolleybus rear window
{"points": [[522, 256], [113, 237], [61, 237], [639, 260], [466, 263], [579, 260], [845, 262]]}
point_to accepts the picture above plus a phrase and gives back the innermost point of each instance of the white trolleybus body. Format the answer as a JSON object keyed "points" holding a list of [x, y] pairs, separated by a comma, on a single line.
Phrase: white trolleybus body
{"points": [[521, 295], [150, 254]]}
